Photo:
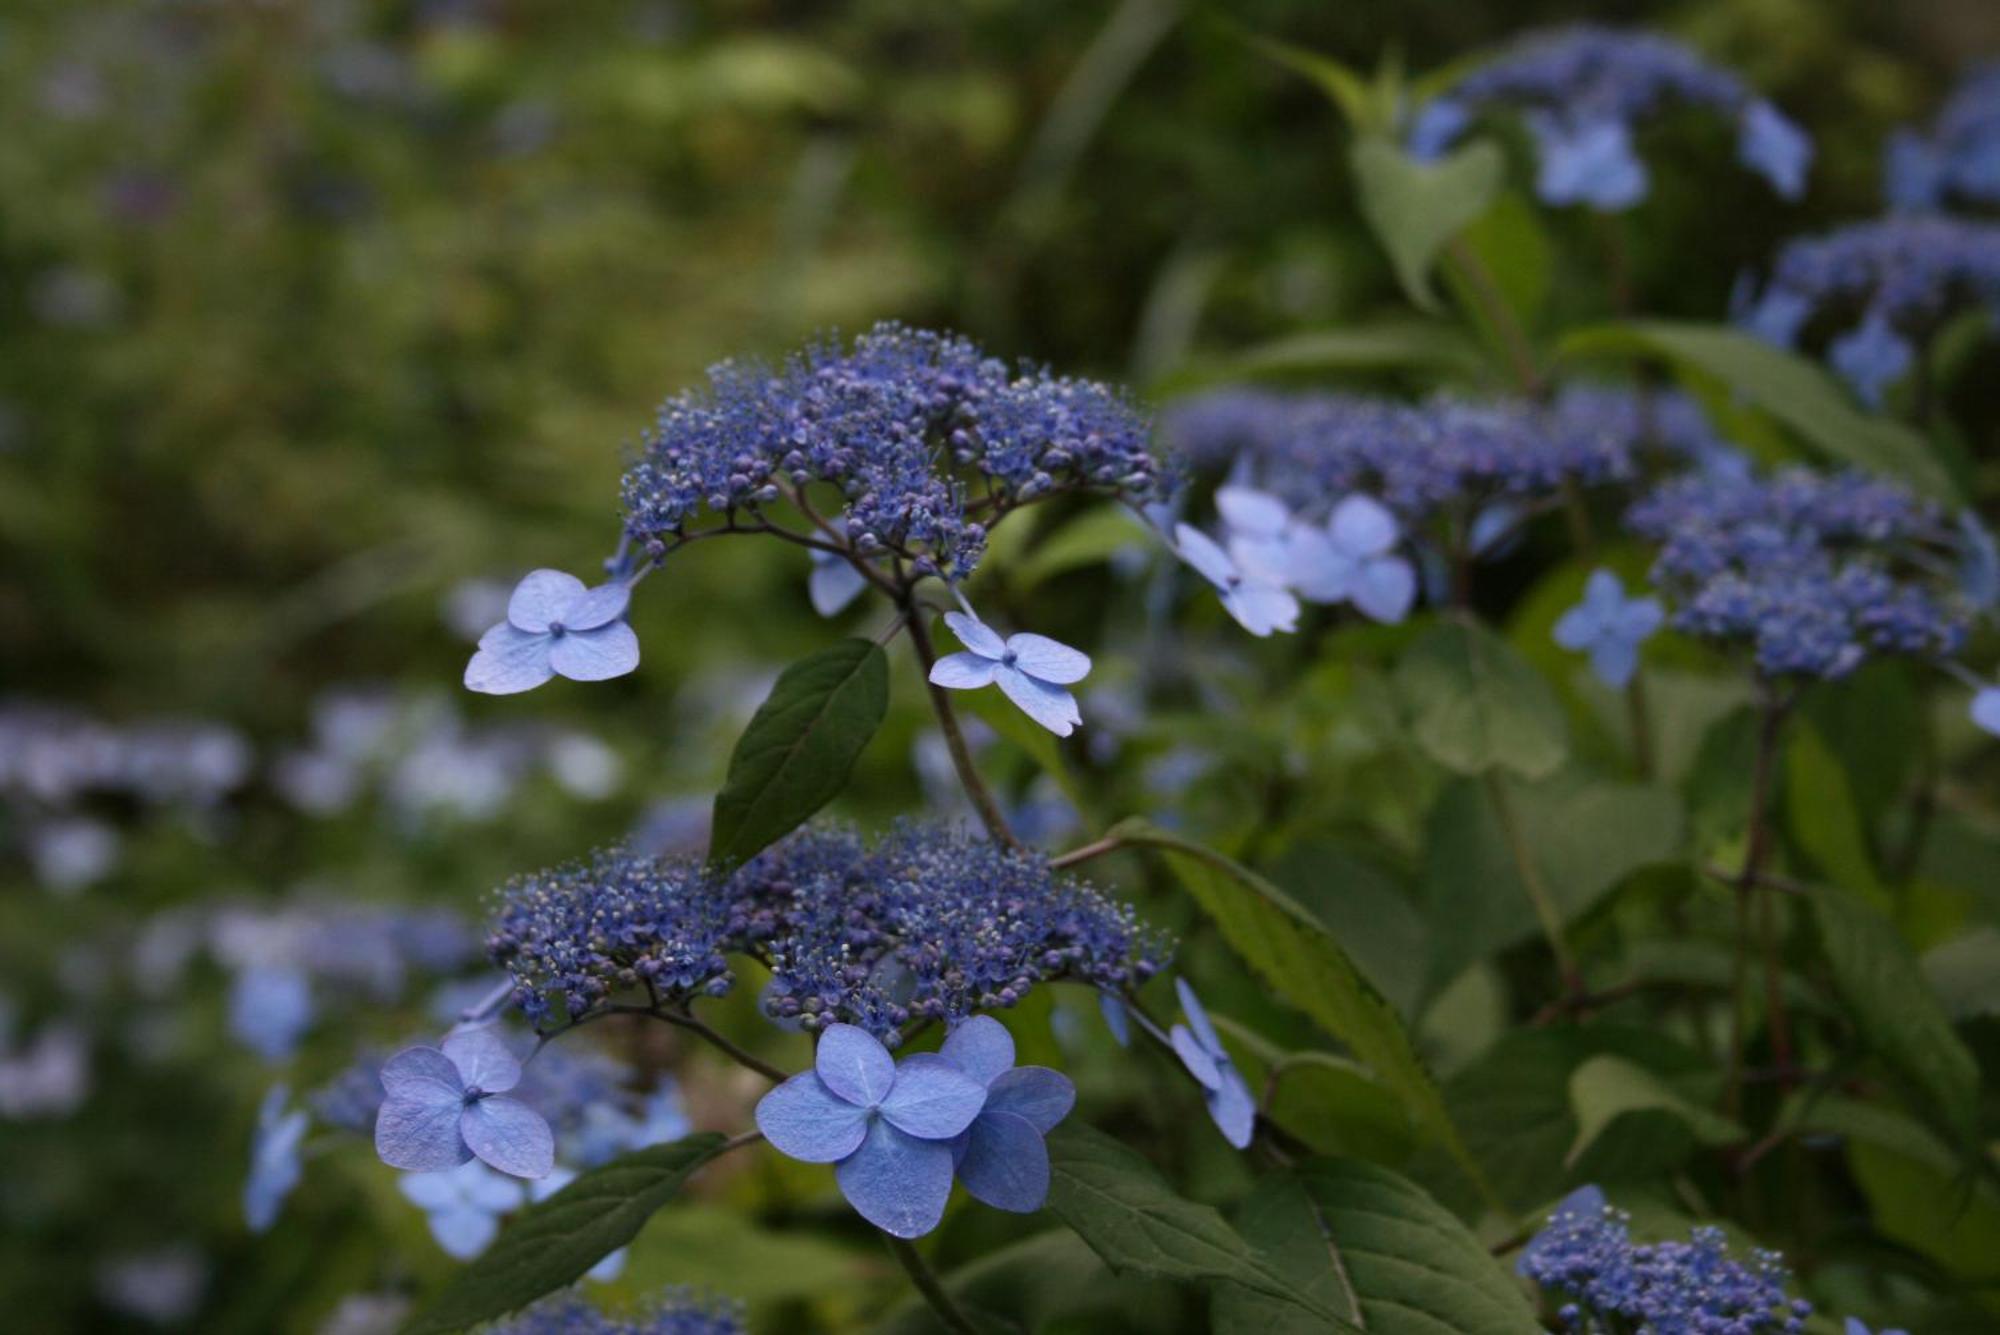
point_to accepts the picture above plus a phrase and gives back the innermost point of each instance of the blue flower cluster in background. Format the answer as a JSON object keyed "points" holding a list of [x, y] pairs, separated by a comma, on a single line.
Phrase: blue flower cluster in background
{"points": [[927, 923], [1585, 91], [673, 1312], [1880, 289], [1956, 163], [1605, 1282], [1814, 572]]}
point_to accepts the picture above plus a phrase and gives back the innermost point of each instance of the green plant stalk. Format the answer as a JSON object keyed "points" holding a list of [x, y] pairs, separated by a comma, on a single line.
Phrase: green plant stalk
{"points": [[1755, 854], [1484, 293], [975, 787], [1641, 720], [1531, 879], [930, 1286]]}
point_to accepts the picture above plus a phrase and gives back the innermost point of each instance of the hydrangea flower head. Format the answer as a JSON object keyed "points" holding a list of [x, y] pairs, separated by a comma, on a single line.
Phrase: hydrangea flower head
{"points": [[463, 1205], [1584, 90], [555, 627], [675, 1311], [1609, 627], [274, 1159], [1200, 1050], [1031, 670], [443, 1106], [1881, 289], [1001, 1158], [887, 1127], [270, 1009]]}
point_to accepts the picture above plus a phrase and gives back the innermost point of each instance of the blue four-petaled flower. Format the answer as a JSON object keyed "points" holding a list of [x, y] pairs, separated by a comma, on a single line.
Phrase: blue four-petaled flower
{"points": [[1201, 1051], [555, 627], [1001, 1158], [446, 1105], [463, 1205], [887, 1128], [1031, 670], [1609, 627]]}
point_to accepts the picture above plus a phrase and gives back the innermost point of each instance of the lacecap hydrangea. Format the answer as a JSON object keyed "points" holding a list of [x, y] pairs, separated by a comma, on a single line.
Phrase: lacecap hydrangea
{"points": [[1814, 573], [922, 438], [924, 923], [674, 1311], [1583, 91], [1877, 291]]}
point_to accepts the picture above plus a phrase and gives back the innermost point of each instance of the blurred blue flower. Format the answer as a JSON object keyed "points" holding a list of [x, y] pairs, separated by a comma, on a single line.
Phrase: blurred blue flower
{"points": [[1986, 709], [1775, 148], [1116, 1017], [1871, 357], [887, 1128], [463, 1205], [555, 626], [1001, 1158], [1854, 1327], [1979, 562], [835, 580], [1588, 163], [1609, 627], [1031, 670], [270, 1009], [274, 1159], [72, 853], [1258, 603], [443, 1107], [1201, 1051], [1353, 560]]}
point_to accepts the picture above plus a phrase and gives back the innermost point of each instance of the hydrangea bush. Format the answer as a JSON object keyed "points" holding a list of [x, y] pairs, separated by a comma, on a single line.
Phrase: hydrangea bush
{"points": [[1474, 820]]}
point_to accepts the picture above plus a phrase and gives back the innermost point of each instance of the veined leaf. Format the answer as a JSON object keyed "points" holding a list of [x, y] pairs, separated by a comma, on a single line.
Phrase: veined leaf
{"points": [[1123, 1208], [1416, 208], [1376, 1248], [1476, 704], [799, 748], [555, 1242], [1606, 1088], [1287, 945]]}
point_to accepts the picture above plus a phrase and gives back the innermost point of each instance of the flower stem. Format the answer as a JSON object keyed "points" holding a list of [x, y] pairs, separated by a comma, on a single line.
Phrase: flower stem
{"points": [[1089, 852], [1757, 850], [975, 787], [1492, 306], [1642, 725], [1531, 880], [742, 1057], [930, 1286]]}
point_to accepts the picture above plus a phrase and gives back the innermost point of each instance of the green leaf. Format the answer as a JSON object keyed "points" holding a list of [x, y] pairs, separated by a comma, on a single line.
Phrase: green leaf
{"points": [[1384, 345], [1819, 807], [1416, 208], [1360, 102], [1786, 386], [799, 749], [1476, 704], [1899, 1017], [554, 1243], [1288, 946], [1376, 1248], [1090, 539], [1120, 1205], [1606, 1088]]}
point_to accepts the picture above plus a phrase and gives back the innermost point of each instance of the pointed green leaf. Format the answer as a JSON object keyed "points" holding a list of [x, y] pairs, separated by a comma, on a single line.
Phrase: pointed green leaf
{"points": [[1783, 384], [1416, 208], [1375, 1247], [1120, 1205], [799, 749], [553, 1243], [1606, 1088], [1475, 703], [1290, 948]]}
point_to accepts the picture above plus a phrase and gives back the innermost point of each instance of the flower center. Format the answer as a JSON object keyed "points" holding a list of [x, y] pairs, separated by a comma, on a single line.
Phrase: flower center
{"points": [[1007, 659], [556, 629]]}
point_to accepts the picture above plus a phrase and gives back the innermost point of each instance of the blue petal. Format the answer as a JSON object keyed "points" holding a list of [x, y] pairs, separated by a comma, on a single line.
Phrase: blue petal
{"points": [[423, 1075], [1261, 609], [898, 1183], [834, 584], [1385, 589], [1005, 1163], [483, 1061], [963, 671], [510, 1135], [1234, 1111], [1986, 709], [933, 1098], [598, 607], [981, 1047], [1116, 1018], [1576, 629], [419, 1137], [610, 1268], [976, 635], [804, 1119], [432, 1191], [1772, 146], [854, 1065], [1041, 1096], [595, 655], [508, 662], [464, 1231], [1049, 661], [1200, 1063], [1051, 706], [1197, 1017], [1615, 661], [542, 598]]}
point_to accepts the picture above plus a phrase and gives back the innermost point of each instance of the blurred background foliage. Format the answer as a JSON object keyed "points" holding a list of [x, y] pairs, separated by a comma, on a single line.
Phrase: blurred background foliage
{"points": [[311, 310]]}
